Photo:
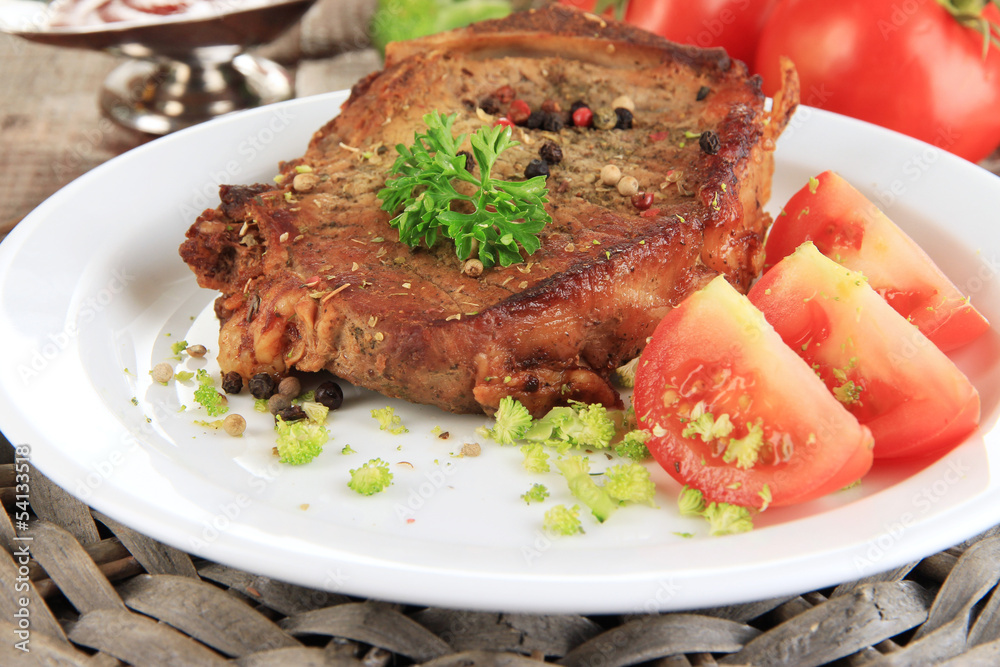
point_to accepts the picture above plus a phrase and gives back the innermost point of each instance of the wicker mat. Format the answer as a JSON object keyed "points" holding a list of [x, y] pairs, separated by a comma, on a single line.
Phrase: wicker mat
{"points": [[94, 592]]}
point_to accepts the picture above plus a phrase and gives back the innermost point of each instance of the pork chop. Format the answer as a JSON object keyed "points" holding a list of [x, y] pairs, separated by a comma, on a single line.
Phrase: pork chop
{"points": [[314, 278]]}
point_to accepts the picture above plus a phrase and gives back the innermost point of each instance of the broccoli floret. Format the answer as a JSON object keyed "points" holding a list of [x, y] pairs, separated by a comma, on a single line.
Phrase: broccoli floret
{"points": [[536, 494], [633, 445], [626, 373], [179, 347], [512, 420], [563, 520], [576, 470], [183, 376], [213, 402], [389, 421], [577, 425], [301, 441], [370, 478], [745, 450], [726, 519], [691, 502], [707, 427], [536, 459], [347, 449], [316, 412], [630, 483], [848, 393]]}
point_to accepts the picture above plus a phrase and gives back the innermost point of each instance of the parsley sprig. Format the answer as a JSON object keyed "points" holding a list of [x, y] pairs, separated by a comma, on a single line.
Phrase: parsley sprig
{"points": [[506, 215]]}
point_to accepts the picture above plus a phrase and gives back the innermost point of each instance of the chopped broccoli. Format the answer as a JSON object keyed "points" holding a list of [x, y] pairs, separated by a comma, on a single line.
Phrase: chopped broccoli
{"points": [[213, 401], [260, 405], [630, 482], [348, 450], [633, 445], [708, 427], [848, 393], [536, 459], [370, 478], [577, 425], [765, 495], [179, 347], [626, 373], [691, 502], [183, 376], [307, 397], [316, 412], [745, 450], [576, 470], [563, 520], [301, 441], [536, 494], [389, 421], [726, 519], [512, 420]]}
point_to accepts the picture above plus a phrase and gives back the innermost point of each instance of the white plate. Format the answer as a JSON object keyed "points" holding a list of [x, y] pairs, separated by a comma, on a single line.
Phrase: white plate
{"points": [[91, 284]]}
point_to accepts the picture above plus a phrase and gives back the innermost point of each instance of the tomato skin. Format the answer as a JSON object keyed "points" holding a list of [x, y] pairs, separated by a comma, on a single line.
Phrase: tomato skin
{"points": [[910, 67], [716, 349], [913, 398], [734, 25], [847, 227]]}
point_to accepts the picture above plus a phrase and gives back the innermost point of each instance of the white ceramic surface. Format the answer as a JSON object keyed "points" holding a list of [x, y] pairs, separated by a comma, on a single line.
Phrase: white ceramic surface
{"points": [[91, 285]]}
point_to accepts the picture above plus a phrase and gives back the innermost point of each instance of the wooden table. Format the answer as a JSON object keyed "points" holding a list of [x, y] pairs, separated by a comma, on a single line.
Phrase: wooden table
{"points": [[99, 588]]}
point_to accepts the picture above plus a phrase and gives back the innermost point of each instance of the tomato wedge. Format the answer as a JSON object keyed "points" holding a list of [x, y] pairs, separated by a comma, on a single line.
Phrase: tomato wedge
{"points": [[848, 228], [736, 414], [886, 373]]}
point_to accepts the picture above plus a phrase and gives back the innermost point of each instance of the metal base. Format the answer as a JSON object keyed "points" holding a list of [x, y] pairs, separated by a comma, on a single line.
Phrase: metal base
{"points": [[162, 95]]}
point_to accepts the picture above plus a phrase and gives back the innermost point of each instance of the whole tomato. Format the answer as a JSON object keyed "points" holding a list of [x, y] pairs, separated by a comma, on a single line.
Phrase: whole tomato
{"points": [[908, 65], [732, 24]]}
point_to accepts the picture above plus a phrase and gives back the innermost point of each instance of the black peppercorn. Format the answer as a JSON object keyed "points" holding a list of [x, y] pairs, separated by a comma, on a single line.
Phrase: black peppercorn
{"points": [[551, 153], [262, 386], [702, 93], [709, 142], [232, 382], [470, 162], [329, 394], [624, 121], [490, 105], [536, 168], [292, 413], [551, 122], [535, 119]]}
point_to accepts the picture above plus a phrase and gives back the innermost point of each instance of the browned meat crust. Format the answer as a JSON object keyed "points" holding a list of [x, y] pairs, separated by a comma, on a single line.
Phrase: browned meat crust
{"points": [[317, 280]]}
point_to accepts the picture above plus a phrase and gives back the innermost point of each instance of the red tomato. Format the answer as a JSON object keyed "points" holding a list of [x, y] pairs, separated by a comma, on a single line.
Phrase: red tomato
{"points": [[735, 25], [716, 355], [909, 66], [847, 227], [886, 373]]}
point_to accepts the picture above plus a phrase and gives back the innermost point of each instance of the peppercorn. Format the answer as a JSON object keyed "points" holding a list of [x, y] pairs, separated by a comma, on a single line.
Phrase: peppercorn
{"points": [[277, 402], [579, 104], [709, 142], [504, 94], [642, 200], [519, 111], [292, 413], [290, 387], [702, 93], [162, 372], [605, 118], [551, 106], [506, 122], [232, 382], [536, 168], [234, 425], [197, 351], [329, 394], [623, 119], [628, 186], [551, 122], [470, 162], [262, 386], [490, 105], [551, 153], [535, 119], [610, 174], [582, 117], [624, 102]]}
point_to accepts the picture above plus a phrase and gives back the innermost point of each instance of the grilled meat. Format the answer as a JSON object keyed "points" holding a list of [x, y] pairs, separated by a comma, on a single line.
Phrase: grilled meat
{"points": [[312, 276]]}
